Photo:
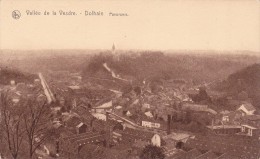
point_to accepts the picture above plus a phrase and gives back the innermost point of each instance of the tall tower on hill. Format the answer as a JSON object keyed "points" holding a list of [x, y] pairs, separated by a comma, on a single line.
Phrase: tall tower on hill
{"points": [[115, 53], [113, 49]]}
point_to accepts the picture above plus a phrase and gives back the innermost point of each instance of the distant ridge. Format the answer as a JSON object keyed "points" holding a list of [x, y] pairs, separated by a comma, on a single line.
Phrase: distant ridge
{"points": [[156, 64]]}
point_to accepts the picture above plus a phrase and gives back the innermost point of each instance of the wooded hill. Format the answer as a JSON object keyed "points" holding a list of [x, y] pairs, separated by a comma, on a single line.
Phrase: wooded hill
{"points": [[7, 74]]}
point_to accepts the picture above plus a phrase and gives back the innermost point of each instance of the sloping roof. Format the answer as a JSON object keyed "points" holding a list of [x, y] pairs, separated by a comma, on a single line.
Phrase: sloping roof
{"points": [[252, 117], [177, 136], [74, 87], [118, 107], [83, 113], [211, 111], [103, 102], [105, 105], [249, 126], [99, 116], [73, 121], [248, 106], [81, 124], [138, 133], [128, 113], [148, 114], [225, 112]]}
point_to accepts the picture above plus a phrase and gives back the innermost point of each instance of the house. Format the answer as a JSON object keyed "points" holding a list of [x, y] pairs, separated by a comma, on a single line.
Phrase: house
{"points": [[151, 124], [156, 140], [248, 130], [149, 114], [225, 118], [225, 129], [176, 139], [41, 98], [16, 96], [92, 96], [12, 82], [71, 145], [75, 125], [131, 136], [103, 105], [118, 110], [146, 106], [21, 87], [250, 126], [83, 114], [81, 128], [247, 108], [253, 120], [232, 117], [100, 116]]}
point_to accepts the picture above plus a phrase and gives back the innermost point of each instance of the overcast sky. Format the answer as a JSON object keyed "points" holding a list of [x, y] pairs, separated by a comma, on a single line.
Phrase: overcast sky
{"points": [[177, 25]]}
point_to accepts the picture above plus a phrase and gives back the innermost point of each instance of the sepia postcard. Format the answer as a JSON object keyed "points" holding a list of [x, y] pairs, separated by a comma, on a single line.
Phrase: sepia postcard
{"points": [[130, 79]]}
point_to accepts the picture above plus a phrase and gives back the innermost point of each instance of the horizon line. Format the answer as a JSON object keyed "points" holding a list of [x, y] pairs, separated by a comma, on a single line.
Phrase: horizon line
{"points": [[165, 51]]}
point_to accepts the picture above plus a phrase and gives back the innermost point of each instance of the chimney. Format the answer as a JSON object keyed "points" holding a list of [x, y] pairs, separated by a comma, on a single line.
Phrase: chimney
{"points": [[107, 130], [169, 124], [212, 124], [12, 82]]}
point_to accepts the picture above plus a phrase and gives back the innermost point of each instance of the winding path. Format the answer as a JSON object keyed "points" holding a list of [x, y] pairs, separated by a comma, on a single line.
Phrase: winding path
{"points": [[113, 73]]}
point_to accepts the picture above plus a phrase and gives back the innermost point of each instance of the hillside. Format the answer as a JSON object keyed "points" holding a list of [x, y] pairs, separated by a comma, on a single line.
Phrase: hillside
{"points": [[243, 84], [45, 60], [6, 75], [157, 65]]}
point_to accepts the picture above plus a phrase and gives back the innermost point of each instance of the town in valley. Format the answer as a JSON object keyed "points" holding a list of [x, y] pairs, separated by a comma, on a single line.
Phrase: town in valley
{"points": [[129, 104]]}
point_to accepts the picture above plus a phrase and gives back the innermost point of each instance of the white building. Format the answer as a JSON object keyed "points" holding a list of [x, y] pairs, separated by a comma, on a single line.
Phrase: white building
{"points": [[156, 140], [150, 124], [247, 108], [248, 129]]}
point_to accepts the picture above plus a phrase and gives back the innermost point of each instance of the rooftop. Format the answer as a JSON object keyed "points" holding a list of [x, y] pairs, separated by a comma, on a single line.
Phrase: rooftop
{"points": [[248, 106], [177, 136], [74, 87], [224, 126]]}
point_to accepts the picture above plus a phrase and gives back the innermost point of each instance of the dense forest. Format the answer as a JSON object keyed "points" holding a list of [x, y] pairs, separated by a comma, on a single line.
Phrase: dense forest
{"points": [[154, 65], [6, 75], [243, 84]]}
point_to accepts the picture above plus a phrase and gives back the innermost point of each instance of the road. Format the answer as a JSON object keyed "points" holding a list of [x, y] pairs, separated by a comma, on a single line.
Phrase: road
{"points": [[47, 91], [113, 73]]}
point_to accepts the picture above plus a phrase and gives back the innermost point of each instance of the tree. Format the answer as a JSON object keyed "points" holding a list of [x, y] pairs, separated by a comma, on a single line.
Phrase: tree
{"points": [[202, 96], [188, 116], [11, 125], [37, 123], [152, 152], [243, 96]]}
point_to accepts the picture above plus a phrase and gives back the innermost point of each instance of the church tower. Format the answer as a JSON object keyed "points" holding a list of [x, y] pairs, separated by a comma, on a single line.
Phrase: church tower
{"points": [[114, 53], [113, 49]]}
